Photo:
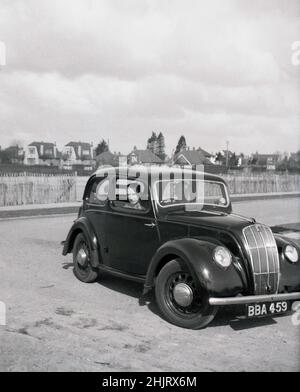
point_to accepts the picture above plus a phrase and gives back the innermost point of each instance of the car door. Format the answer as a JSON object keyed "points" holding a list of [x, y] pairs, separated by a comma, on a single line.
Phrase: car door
{"points": [[95, 208], [131, 234]]}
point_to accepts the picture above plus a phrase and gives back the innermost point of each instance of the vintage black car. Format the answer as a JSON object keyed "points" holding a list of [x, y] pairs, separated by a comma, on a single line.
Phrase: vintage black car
{"points": [[193, 251]]}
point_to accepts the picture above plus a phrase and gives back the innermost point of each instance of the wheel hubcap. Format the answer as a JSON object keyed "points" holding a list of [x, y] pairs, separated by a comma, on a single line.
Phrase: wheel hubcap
{"points": [[183, 294], [82, 257]]}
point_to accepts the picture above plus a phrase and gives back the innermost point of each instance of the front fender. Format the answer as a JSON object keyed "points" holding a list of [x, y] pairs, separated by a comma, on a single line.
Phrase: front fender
{"points": [[198, 256], [82, 225], [289, 273]]}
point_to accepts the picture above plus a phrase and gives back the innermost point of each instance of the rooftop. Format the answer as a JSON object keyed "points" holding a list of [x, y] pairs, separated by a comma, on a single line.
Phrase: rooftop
{"points": [[146, 156]]}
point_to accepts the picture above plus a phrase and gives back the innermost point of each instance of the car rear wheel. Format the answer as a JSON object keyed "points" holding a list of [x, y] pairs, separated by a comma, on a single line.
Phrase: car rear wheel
{"points": [[180, 299], [83, 269]]}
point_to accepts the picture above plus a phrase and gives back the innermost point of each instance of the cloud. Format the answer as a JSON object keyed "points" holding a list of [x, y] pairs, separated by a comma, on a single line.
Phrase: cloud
{"points": [[86, 69]]}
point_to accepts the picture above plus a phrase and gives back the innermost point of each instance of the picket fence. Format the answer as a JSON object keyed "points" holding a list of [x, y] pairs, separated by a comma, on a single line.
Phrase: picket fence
{"points": [[40, 188], [262, 183], [36, 188]]}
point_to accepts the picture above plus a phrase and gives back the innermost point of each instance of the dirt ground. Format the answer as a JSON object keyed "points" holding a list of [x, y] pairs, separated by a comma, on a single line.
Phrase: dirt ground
{"points": [[56, 323]]}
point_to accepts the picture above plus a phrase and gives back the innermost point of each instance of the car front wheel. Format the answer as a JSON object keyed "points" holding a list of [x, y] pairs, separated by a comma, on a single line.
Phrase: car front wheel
{"points": [[83, 269], [180, 299]]}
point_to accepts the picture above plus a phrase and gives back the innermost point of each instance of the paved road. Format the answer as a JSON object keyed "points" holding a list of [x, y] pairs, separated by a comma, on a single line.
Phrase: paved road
{"points": [[272, 212], [56, 323]]}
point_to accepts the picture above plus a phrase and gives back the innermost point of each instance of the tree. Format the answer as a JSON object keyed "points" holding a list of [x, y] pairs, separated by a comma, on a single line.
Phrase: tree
{"points": [[220, 158], [102, 147], [4, 156], [161, 147], [181, 145], [152, 143], [10, 154], [283, 165], [233, 160], [294, 162], [254, 159]]}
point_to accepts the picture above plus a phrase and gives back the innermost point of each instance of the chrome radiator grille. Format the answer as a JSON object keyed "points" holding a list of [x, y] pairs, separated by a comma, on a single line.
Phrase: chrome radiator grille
{"points": [[264, 258]]}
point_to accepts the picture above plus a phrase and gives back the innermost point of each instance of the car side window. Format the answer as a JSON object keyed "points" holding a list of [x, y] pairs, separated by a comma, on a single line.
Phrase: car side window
{"points": [[131, 196], [99, 192]]}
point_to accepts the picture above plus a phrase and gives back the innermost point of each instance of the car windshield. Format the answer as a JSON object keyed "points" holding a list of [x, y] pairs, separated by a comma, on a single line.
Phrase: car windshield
{"points": [[190, 194]]}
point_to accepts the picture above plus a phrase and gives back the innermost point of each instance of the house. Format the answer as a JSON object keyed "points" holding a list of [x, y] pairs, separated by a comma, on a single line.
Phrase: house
{"points": [[230, 159], [192, 158], [108, 158], [78, 155], [266, 161], [143, 157], [41, 153]]}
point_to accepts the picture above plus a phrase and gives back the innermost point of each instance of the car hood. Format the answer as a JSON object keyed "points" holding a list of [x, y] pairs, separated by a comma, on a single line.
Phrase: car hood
{"points": [[227, 222]]}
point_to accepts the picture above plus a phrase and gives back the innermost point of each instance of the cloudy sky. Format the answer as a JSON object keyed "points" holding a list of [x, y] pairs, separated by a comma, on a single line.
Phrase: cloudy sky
{"points": [[120, 69]]}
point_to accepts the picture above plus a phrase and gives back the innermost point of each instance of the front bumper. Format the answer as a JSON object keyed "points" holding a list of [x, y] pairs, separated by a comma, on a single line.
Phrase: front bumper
{"points": [[253, 299]]}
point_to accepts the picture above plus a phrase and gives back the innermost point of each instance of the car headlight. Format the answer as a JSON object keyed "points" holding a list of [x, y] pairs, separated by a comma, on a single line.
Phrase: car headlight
{"points": [[222, 256], [291, 253]]}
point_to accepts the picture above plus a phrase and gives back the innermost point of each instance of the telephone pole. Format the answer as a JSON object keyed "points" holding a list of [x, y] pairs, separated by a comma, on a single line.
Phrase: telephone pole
{"points": [[227, 154]]}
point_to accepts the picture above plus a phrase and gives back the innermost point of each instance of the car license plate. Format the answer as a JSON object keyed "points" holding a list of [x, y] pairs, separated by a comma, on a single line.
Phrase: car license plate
{"points": [[267, 308]]}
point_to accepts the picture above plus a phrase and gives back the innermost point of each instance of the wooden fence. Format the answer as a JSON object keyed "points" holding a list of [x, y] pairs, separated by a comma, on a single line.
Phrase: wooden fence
{"points": [[36, 188], [262, 183]]}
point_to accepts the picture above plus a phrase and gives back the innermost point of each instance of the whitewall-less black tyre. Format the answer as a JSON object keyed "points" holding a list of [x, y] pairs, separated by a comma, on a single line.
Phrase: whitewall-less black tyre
{"points": [[81, 259], [180, 299]]}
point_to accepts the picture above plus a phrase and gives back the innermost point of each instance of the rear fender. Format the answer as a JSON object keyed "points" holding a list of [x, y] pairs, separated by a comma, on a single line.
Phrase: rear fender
{"points": [[82, 225]]}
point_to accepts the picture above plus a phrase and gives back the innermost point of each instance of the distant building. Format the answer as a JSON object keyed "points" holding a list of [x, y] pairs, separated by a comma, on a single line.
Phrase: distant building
{"points": [[108, 158], [265, 161], [78, 155], [192, 158], [40, 153], [143, 157]]}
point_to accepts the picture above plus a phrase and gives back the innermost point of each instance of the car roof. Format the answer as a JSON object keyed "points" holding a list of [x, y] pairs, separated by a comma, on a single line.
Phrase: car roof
{"points": [[153, 170]]}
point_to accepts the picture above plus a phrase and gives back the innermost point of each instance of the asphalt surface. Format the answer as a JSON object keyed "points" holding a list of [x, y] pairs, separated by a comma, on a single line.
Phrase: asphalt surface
{"points": [[56, 323], [271, 212]]}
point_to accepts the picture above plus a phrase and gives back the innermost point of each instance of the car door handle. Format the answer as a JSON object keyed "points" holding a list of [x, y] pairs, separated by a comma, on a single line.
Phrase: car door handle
{"points": [[152, 225]]}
